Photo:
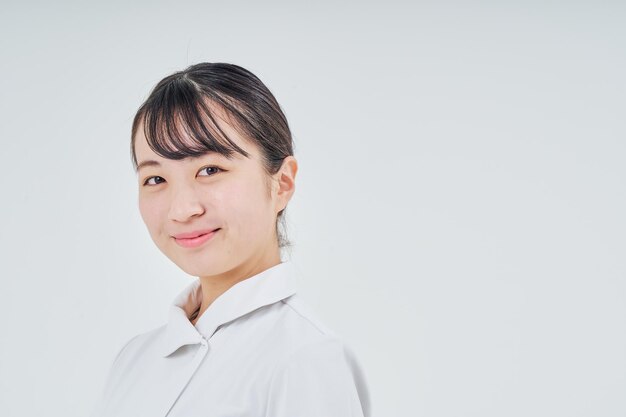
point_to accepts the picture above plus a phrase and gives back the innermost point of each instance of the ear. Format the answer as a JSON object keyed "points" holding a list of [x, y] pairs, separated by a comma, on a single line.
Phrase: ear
{"points": [[286, 180]]}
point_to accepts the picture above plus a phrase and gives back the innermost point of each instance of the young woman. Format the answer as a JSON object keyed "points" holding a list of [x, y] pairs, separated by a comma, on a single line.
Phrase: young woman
{"points": [[214, 158]]}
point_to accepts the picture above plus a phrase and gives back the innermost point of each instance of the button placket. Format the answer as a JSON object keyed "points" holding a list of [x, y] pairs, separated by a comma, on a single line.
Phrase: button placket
{"points": [[191, 370]]}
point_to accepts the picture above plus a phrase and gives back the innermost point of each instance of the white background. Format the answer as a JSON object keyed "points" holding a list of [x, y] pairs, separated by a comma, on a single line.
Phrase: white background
{"points": [[459, 213]]}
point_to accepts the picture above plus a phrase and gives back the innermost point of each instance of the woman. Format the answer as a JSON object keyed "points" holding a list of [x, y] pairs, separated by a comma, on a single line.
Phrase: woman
{"points": [[214, 158]]}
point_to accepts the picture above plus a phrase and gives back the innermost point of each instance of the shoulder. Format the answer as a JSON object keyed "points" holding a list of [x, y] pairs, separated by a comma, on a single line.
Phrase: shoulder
{"points": [[321, 376], [308, 317], [122, 364], [317, 349], [293, 325], [134, 347], [298, 335], [326, 353]]}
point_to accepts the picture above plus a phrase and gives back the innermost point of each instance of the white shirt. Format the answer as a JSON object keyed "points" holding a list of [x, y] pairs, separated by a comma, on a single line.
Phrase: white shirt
{"points": [[257, 351]]}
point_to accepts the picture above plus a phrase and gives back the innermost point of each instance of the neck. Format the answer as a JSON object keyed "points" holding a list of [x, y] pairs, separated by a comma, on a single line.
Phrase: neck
{"points": [[215, 285]]}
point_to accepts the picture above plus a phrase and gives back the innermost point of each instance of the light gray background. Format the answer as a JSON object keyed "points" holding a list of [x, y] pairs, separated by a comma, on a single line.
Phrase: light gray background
{"points": [[459, 213]]}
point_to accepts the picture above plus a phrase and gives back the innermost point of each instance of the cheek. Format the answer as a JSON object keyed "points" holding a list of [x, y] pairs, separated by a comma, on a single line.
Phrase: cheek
{"points": [[150, 213], [246, 207]]}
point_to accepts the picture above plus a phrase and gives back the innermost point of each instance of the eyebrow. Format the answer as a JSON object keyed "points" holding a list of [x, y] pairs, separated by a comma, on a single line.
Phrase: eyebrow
{"points": [[148, 163], [153, 163]]}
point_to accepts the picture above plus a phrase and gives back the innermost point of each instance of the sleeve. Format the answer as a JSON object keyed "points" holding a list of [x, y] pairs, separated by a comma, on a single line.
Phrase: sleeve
{"points": [[323, 379]]}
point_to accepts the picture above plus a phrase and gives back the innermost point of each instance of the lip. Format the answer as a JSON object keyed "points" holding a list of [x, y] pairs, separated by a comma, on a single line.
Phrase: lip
{"points": [[194, 239], [193, 234]]}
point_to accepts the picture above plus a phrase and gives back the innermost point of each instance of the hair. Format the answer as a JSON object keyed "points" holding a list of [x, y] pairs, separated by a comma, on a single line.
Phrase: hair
{"points": [[179, 119]]}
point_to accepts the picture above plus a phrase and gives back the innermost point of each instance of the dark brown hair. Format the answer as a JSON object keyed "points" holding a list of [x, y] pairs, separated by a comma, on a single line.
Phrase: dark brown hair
{"points": [[179, 121]]}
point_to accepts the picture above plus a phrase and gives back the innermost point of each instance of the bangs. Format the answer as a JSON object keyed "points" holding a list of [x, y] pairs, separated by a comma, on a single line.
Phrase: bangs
{"points": [[179, 121]]}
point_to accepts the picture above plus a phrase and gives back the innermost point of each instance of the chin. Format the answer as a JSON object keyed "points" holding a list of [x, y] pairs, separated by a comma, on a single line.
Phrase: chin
{"points": [[191, 268], [197, 267]]}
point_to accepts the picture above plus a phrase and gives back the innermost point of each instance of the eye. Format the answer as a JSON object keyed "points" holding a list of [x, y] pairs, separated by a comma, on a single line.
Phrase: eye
{"points": [[214, 169], [149, 178]]}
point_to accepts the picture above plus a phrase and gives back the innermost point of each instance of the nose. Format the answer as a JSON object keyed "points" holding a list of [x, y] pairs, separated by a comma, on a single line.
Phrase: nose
{"points": [[184, 205]]}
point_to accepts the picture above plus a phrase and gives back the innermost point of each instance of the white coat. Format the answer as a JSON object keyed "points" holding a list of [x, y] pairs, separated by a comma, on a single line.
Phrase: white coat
{"points": [[257, 351]]}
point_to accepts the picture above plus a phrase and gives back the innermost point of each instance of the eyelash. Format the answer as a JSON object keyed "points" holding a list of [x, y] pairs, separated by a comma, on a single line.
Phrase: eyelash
{"points": [[145, 183]]}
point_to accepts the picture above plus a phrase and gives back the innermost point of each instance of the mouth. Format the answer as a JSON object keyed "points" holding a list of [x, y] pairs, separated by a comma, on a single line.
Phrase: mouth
{"points": [[194, 239]]}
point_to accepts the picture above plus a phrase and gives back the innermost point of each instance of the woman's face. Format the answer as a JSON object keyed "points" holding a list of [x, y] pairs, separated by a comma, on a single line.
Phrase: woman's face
{"points": [[199, 195]]}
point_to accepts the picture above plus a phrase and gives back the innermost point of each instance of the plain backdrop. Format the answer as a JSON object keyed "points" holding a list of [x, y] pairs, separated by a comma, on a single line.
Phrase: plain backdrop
{"points": [[459, 213]]}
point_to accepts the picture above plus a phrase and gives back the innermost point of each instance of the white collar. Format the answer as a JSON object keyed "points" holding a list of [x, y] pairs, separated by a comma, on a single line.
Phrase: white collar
{"points": [[267, 287]]}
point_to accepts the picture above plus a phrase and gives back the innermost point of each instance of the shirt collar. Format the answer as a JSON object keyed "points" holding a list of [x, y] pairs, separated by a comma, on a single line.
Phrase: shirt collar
{"points": [[267, 287]]}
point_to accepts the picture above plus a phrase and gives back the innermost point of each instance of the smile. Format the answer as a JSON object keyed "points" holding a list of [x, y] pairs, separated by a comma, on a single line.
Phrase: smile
{"points": [[195, 241]]}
